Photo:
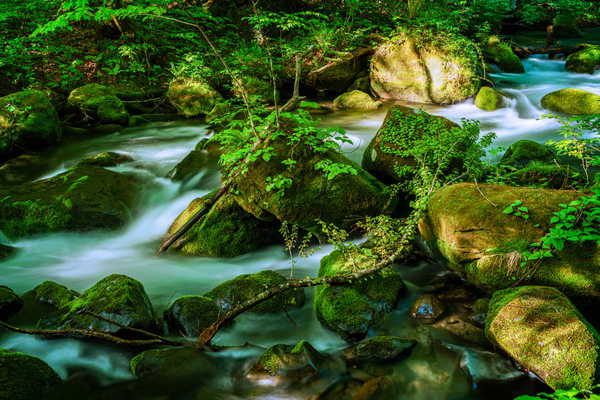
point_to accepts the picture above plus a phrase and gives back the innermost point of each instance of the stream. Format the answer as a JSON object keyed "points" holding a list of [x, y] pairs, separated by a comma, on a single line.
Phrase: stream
{"points": [[78, 260]]}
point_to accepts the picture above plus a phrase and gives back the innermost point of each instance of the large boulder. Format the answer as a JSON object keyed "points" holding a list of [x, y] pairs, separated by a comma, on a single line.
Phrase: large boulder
{"points": [[572, 101], [245, 287], [523, 152], [115, 297], [395, 136], [543, 331], [503, 56], [352, 310], [226, 231], [415, 69], [192, 98], [314, 195], [191, 315], [10, 303], [99, 103], [466, 225], [81, 199], [355, 100], [489, 99], [585, 61], [28, 121], [24, 377]]}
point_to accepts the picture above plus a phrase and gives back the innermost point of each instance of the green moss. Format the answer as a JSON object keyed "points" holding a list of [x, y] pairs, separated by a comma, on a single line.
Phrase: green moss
{"points": [[584, 61], [247, 286], [489, 99], [572, 101], [355, 100], [543, 331], [23, 377], [283, 359], [352, 310], [190, 315], [503, 56], [192, 98], [99, 102]]}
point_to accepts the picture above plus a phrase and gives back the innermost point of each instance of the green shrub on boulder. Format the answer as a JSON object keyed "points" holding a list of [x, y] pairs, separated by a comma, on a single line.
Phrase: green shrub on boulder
{"points": [[100, 103], [572, 101], [355, 100], [352, 310], [503, 56], [585, 61], [543, 331], [24, 377], [489, 99]]}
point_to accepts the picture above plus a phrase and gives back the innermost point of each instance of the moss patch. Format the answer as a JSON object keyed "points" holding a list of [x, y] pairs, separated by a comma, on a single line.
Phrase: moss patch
{"points": [[192, 98], [100, 103]]}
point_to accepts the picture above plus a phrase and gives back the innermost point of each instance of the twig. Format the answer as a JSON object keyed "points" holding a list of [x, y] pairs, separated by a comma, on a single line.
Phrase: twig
{"points": [[483, 195]]}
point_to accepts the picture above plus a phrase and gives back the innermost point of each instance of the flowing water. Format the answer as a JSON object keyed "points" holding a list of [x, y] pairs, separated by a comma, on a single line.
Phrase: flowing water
{"points": [[78, 260]]}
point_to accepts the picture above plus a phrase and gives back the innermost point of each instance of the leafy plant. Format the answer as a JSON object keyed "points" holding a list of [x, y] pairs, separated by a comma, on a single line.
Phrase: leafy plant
{"points": [[517, 209]]}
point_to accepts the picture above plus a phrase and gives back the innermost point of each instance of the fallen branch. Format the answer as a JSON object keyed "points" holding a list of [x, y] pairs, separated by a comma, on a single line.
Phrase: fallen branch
{"points": [[296, 99]]}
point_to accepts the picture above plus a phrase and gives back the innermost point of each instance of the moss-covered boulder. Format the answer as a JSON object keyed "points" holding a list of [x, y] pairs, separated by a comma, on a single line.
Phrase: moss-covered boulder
{"points": [[584, 61], [226, 231], [192, 98], [572, 101], [484, 244], [10, 303], [543, 331], [292, 361], [385, 154], [503, 56], [523, 152], [116, 297], [352, 310], [379, 349], [81, 199], [99, 103], [46, 302], [425, 70], [245, 287], [205, 155], [190, 315], [489, 99], [24, 377], [355, 100], [28, 121], [341, 199]]}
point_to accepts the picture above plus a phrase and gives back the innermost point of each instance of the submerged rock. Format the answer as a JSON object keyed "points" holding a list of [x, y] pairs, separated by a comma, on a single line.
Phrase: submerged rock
{"points": [[489, 99], [100, 103], [572, 101], [355, 100], [116, 297], [81, 199], [192, 98], [245, 287], [292, 361], [10, 303], [28, 121], [380, 349], [191, 315], [521, 153], [226, 231], [483, 244], [503, 56], [585, 61], [435, 71], [24, 377], [462, 328], [427, 309], [542, 330], [173, 364], [352, 310], [107, 159]]}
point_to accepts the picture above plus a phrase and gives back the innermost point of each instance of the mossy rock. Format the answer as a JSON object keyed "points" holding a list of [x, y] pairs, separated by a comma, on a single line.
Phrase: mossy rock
{"points": [[245, 287], [182, 364], [205, 155], [10, 303], [427, 309], [543, 175], [489, 99], [292, 361], [22, 169], [6, 251], [503, 56], [380, 349], [355, 100], [226, 231], [100, 103], [46, 302], [483, 244], [24, 377], [107, 159], [523, 152], [572, 101], [585, 61], [401, 127], [191, 315], [352, 310], [342, 200], [543, 331], [192, 98], [82, 199], [481, 305], [28, 121], [116, 297], [420, 69], [363, 84]]}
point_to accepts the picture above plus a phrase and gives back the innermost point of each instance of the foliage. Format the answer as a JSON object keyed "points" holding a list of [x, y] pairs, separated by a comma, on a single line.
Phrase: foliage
{"points": [[517, 209], [565, 395]]}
